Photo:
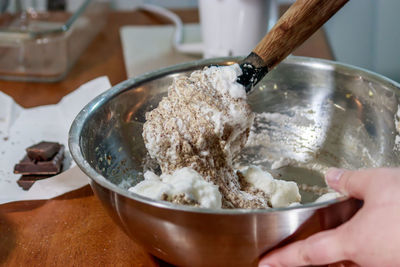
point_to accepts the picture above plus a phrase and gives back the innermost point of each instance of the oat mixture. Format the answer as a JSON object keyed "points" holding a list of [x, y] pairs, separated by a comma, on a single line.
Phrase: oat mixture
{"points": [[202, 124]]}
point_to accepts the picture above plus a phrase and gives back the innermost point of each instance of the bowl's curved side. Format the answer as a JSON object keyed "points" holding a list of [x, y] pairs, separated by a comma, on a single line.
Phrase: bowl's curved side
{"points": [[214, 239]]}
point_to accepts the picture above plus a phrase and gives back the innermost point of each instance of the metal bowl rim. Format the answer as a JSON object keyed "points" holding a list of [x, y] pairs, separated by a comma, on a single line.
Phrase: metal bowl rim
{"points": [[85, 113]]}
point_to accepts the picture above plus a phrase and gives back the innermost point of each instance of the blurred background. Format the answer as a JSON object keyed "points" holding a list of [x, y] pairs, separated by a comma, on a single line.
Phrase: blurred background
{"points": [[364, 33]]}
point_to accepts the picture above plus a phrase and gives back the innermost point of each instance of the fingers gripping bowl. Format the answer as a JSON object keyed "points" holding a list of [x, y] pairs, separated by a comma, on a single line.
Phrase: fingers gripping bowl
{"points": [[314, 114]]}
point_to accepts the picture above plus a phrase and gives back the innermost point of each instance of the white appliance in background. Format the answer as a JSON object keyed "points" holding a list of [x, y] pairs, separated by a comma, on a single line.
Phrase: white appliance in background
{"points": [[228, 27], [234, 27]]}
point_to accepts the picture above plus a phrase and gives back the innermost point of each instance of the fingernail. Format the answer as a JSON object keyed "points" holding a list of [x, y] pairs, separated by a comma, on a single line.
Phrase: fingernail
{"points": [[264, 265], [333, 176]]}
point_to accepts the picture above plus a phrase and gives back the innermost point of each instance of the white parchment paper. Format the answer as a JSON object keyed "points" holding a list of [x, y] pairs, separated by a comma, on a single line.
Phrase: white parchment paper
{"points": [[21, 128]]}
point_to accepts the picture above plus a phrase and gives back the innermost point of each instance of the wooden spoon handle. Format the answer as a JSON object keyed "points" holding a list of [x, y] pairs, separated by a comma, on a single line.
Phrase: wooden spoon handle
{"points": [[299, 22]]}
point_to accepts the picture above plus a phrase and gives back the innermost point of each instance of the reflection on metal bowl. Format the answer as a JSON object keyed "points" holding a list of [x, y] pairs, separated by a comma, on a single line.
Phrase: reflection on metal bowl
{"points": [[326, 114]]}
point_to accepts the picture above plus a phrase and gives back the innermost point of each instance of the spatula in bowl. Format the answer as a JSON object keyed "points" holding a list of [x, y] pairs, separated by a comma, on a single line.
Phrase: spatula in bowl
{"points": [[298, 23]]}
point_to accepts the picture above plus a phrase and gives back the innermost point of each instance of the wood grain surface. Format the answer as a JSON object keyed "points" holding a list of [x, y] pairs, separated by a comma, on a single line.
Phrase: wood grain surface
{"points": [[74, 229], [298, 23]]}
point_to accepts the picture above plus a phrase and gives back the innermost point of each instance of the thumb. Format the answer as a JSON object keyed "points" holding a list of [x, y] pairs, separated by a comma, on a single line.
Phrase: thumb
{"points": [[354, 183], [322, 248]]}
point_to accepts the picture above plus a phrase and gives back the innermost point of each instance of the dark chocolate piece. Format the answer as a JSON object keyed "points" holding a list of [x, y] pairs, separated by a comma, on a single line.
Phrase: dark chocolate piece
{"points": [[25, 184], [53, 166], [42, 151], [26, 181]]}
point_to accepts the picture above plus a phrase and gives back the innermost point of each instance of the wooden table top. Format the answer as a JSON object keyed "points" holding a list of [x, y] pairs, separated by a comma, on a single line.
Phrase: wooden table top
{"points": [[74, 229]]}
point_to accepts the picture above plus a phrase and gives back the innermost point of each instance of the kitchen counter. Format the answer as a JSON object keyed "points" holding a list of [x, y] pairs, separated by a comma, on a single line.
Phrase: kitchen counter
{"points": [[74, 229]]}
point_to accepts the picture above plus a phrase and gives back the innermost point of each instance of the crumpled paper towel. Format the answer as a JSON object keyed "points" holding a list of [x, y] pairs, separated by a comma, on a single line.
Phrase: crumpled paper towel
{"points": [[21, 128]]}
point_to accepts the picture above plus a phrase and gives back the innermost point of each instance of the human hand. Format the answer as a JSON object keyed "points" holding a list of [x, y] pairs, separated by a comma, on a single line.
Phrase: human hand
{"points": [[370, 238]]}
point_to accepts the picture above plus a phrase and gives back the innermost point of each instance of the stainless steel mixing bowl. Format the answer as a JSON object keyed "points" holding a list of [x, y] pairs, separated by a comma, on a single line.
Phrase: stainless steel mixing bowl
{"points": [[321, 114]]}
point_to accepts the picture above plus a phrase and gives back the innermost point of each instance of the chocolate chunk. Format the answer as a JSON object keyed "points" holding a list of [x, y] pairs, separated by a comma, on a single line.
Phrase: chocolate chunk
{"points": [[26, 181], [25, 184], [53, 166], [42, 151]]}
